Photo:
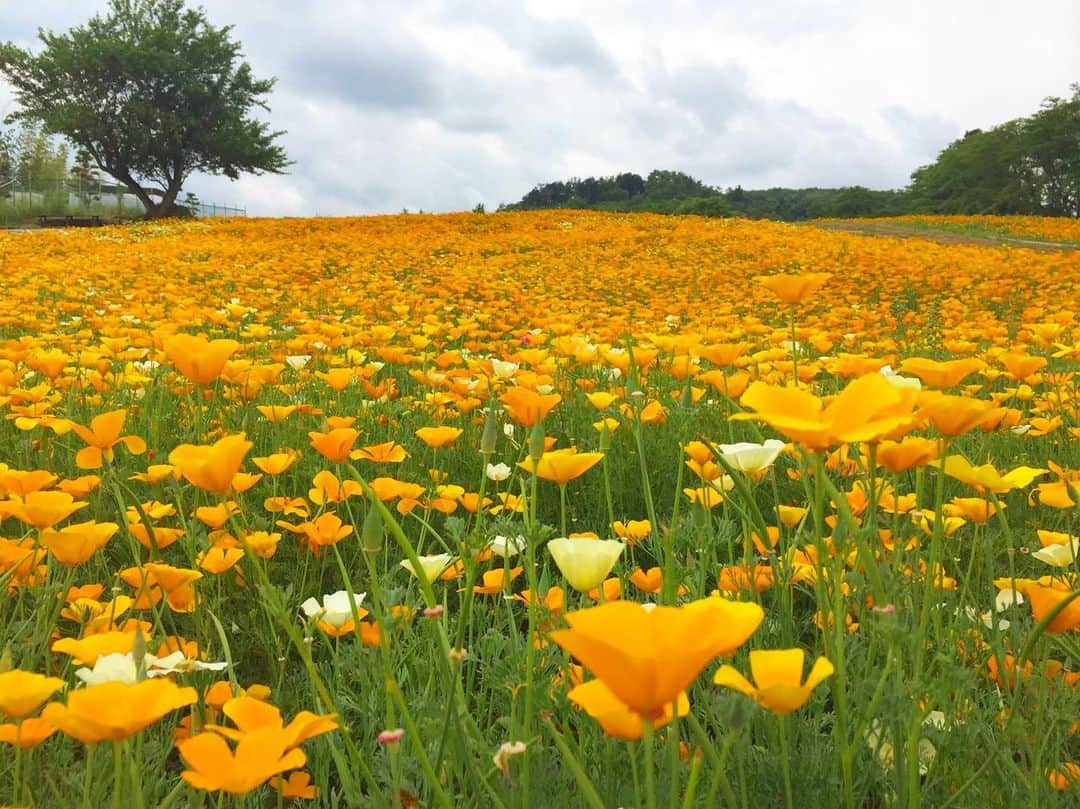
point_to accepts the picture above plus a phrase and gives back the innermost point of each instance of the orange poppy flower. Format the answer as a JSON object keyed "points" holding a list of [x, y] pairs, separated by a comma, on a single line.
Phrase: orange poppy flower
{"points": [[554, 599], [722, 354], [899, 456], [19, 483], [81, 486], [23, 692], [954, 415], [217, 560], [326, 529], [28, 733], [251, 715], [101, 436], [441, 436], [42, 510], [939, 374], [276, 463], [297, 785], [986, 477], [258, 756], [197, 358], [1021, 366], [497, 581], [75, 544], [793, 289], [526, 406], [153, 580], [113, 711], [867, 409], [563, 465], [777, 675], [390, 452], [276, 413], [632, 531], [87, 650], [328, 489], [335, 445], [212, 468], [646, 658], [648, 581], [1045, 599], [615, 717]]}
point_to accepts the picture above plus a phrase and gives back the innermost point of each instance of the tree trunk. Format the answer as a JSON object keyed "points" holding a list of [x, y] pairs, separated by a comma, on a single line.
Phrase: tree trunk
{"points": [[138, 191], [167, 206]]}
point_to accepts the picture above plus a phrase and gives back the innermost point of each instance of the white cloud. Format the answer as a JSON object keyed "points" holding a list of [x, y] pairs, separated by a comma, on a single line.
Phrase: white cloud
{"points": [[440, 104]]}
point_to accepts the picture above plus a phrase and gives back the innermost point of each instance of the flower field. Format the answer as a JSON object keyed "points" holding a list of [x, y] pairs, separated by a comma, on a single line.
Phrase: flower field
{"points": [[537, 509]]}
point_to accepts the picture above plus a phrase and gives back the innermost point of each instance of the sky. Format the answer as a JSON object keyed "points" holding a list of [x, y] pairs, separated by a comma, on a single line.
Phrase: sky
{"points": [[438, 105]]}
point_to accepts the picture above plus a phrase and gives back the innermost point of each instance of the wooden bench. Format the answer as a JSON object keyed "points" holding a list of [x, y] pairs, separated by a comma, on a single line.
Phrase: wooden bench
{"points": [[70, 221]]}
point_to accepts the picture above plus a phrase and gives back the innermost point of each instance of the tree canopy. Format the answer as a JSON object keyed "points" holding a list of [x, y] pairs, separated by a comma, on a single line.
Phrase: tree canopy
{"points": [[152, 92], [1027, 166]]}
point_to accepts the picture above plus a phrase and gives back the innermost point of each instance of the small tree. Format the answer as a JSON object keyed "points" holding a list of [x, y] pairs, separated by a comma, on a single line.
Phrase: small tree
{"points": [[85, 177], [152, 92]]}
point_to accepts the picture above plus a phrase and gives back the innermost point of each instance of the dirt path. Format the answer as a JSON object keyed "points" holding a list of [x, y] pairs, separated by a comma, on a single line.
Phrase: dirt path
{"points": [[898, 231]]}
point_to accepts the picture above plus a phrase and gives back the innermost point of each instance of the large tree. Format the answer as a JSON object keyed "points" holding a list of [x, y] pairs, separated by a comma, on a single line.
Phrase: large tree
{"points": [[1052, 136], [152, 92]]}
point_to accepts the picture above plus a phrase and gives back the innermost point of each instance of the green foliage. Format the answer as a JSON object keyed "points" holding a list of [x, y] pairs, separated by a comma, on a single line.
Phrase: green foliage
{"points": [[799, 204], [673, 192], [716, 205], [35, 179], [667, 192], [1025, 166], [28, 154], [152, 92]]}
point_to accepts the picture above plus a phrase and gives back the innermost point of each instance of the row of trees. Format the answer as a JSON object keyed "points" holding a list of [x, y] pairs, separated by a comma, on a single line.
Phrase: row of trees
{"points": [[674, 192], [660, 192], [1027, 166], [28, 153]]}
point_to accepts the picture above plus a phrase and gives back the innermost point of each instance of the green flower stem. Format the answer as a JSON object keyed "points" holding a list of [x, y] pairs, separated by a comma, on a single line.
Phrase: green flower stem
{"points": [[650, 766], [785, 757], [588, 791]]}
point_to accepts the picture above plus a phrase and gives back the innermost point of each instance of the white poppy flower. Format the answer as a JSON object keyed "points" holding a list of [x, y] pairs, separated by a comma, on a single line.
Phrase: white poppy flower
{"points": [[585, 562], [432, 565], [335, 610], [117, 667], [1059, 555], [497, 472], [178, 663], [749, 457], [507, 546], [504, 369]]}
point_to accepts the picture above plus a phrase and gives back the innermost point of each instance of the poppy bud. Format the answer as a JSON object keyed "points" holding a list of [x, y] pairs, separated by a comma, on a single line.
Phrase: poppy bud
{"points": [[373, 531], [605, 438], [490, 435], [536, 442]]}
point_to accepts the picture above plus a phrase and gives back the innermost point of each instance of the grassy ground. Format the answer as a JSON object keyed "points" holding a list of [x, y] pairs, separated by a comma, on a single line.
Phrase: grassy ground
{"points": [[1031, 232]]}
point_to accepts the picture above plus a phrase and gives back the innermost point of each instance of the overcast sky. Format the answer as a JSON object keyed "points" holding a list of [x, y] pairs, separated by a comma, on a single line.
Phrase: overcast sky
{"points": [[438, 105]]}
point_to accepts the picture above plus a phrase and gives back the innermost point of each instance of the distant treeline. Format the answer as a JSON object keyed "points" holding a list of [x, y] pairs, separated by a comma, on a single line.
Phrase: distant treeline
{"points": [[1026, 166]]}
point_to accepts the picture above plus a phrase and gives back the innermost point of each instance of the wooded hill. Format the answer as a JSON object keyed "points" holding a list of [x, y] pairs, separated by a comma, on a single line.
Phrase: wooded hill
{"points": [[1026, 166]]}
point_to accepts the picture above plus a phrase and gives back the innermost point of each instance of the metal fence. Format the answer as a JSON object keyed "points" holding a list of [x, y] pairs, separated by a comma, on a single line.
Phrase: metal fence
{"points": [[216, 209], [75, 196]]}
